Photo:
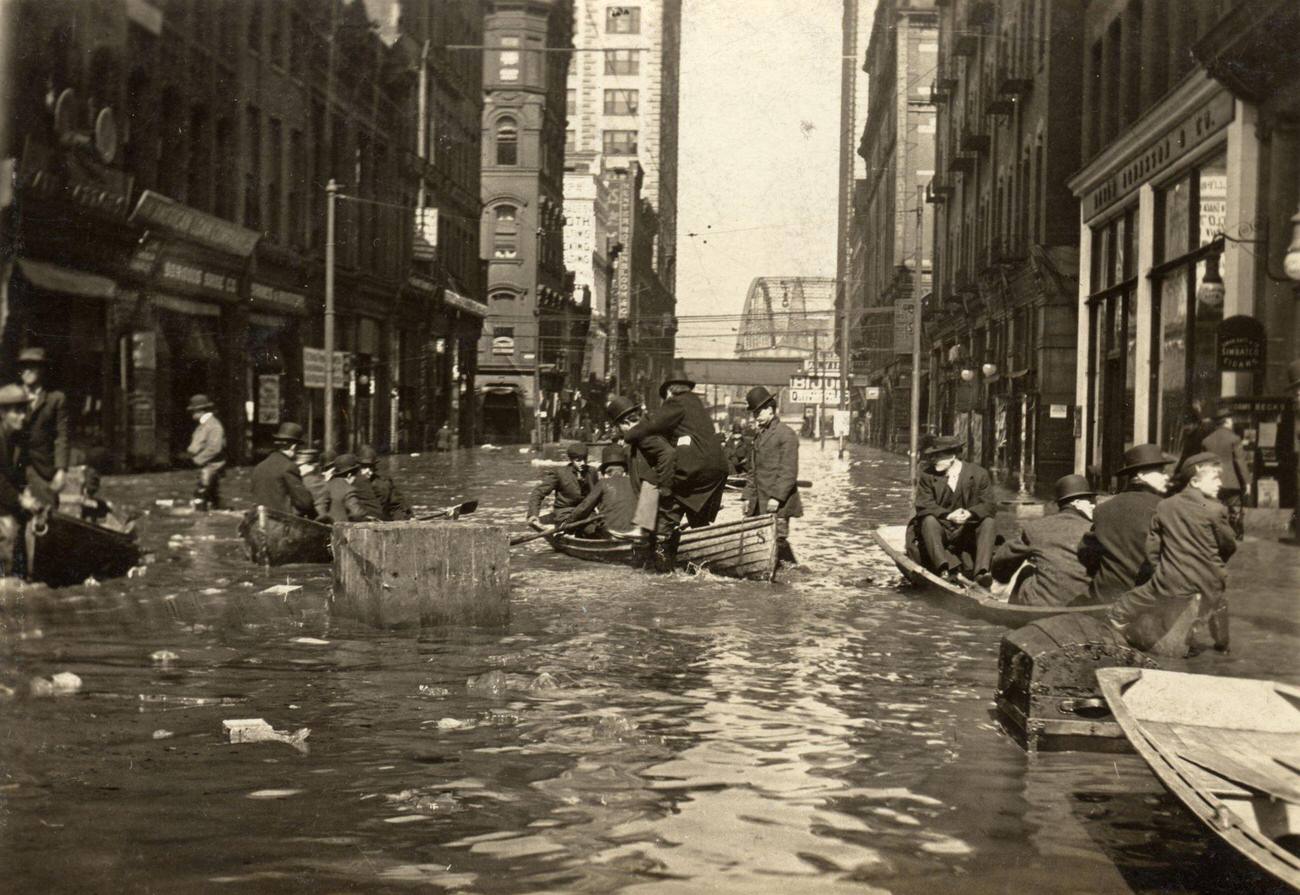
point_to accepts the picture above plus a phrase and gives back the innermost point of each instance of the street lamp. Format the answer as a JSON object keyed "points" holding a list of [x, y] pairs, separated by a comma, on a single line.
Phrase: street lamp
{"points": [[331, 195]]}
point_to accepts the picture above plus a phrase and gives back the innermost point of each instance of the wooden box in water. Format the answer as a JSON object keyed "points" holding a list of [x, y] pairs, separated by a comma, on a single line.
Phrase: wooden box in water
{"points": [[1048, 697]]}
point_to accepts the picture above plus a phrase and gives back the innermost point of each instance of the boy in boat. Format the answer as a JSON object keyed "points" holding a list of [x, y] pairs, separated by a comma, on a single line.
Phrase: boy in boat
{"points": [[774, 470], [207, 451], [345, 503], [653, 468], [953, 530], [1188, 546], [1114, 551], [1225, 443], [613, 497], [308, 460], [1051, 546], [277, 482], [570, 484], [391, 502], [47, 423]]}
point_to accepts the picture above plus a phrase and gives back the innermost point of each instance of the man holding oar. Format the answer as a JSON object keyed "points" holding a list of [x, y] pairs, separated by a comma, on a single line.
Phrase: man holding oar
{"points": [[614, 496], [570, 484]]}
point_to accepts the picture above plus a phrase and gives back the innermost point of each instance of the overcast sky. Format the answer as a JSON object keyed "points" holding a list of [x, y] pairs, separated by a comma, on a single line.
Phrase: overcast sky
{"points": [[758, 154]]}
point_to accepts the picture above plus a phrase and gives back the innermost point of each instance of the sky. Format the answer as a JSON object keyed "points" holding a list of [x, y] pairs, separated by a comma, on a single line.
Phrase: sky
{"points": [[758, 155]]}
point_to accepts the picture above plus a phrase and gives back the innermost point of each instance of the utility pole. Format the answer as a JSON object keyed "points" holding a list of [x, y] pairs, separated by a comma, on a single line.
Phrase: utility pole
{"points": [[821, 403], [845, 404], [916, 342], [331, 196]]}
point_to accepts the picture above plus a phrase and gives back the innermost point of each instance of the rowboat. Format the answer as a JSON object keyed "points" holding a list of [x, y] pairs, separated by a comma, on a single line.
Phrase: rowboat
{"points": [[275, 538], [741, 549], [1227, 748], [967, 598], [62, 550]]}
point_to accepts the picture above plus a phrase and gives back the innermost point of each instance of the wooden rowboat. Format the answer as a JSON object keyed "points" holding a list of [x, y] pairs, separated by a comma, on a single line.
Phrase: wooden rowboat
{"points": [[968, 598], [1227, 748], [62, 551], [742, 549], [274, 538]]}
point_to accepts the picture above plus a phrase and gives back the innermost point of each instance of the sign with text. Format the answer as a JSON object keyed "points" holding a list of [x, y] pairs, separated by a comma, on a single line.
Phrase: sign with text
{"points": [[871, 393], [1241, 345], [904, 320], [268, 399], [206, 229], [814, 396], [313, 368]]}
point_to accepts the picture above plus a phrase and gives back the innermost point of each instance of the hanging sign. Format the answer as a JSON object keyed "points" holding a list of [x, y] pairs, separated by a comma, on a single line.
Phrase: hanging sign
{"points": [[1241, 345]]}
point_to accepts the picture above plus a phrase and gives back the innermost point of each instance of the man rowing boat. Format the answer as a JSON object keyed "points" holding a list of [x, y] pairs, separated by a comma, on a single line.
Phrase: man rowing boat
{"points": [[570, 484], [614, 496]]}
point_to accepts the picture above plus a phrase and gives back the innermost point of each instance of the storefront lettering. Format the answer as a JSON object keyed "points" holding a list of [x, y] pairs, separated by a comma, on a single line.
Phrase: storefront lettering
{"points": [[176, 272], [1241, 345], [95, 198], [280, 298], [200, 226]]}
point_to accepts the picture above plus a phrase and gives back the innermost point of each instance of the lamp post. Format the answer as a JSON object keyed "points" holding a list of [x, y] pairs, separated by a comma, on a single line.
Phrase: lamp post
{"points": [[331, 195]]}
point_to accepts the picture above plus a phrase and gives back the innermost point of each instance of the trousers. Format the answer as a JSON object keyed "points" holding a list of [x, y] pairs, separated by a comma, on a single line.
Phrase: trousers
{"points": [[950, 547]]}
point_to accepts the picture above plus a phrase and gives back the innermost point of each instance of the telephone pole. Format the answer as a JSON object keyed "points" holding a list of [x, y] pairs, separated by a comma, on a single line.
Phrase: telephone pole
{"points": [[916, 342]]}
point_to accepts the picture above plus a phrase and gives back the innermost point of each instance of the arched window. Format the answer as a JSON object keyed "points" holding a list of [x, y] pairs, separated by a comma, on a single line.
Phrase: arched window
{"points": [[505, 232], [507, 142]]}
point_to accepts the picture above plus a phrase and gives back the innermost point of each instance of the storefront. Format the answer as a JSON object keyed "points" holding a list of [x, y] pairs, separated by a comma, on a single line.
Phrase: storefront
{"points": [[273, 356]]}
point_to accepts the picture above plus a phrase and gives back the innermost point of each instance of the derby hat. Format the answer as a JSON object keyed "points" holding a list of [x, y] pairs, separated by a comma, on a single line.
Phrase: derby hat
{"points": [[306, 454], [199, 402], [288, 433], [1189, 465], [367, 456], [12, 395], [943, 444], [613, 455], [29, 357], [619, 407], [757, 397], [577, 450], [676, 380], [1070, 486], [345, 464], [1144, 456]]}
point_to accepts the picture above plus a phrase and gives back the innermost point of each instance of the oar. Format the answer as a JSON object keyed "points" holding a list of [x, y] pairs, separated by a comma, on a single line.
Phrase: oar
{"points": [[568, 526], [460, 509], [737, 483]]}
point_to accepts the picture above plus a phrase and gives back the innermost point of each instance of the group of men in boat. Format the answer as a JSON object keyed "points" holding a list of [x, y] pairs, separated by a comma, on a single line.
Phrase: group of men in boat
{"points": [[1145, 551], [668, 469]]}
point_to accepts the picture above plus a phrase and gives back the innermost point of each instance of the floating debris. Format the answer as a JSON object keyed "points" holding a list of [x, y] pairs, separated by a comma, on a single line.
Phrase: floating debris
{"points": [[310, 641], [494, 683], [427, 690], [163, 657], [61, 684], [453, 724], [161, 734], [273, 793], [280, 590], [256, 730]]}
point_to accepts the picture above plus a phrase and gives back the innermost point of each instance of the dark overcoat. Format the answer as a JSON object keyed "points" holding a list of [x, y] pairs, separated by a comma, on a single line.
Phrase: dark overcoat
{"points": [[1226, 445], [974, 492], [701, 465], [12, 478], [277, 484], [1188, 546], [615, 497], [1115, 551], [47, 434], [653, 460], [568, 488], [344, 503], [774, 472], [390, 498], [1051, 544], [368, 498]]}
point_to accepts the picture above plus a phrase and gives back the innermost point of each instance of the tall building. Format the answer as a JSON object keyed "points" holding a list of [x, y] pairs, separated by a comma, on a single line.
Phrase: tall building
{"points": [[525, 355], [587, 253], [855, 30], [897, 147], [1000, 324], [788, 317]]}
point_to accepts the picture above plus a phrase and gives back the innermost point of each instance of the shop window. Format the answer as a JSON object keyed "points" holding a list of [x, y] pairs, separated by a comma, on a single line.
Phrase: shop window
{"points": [[507, 142], [1112, 327]]}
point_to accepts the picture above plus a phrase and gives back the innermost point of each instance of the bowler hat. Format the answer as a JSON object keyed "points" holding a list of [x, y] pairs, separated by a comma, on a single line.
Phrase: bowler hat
{"points": [[306, 454], [757, 397], [1144, 456], [367, 456], [613, 455], [943, 444], [1069, 486], [12, 395], [678, 380], [288, 433], [1293, 373], [1189, 465], [577, 450], [619, 407], [199, 402], [345, 464], [31, 356]]}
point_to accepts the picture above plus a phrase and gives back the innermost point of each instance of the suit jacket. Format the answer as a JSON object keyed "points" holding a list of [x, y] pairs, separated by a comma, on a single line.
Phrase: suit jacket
{"points": [[208, 444], [47, 434], [1052, 545], [774, 470], [1226, 444], [565, 484], [319, 488], [278, 484], [391, 500], [701, 466], [344, 504], [1188, 545], [653, 460], [615, 497], [12, 478], [974, 493], [1115, 551]]}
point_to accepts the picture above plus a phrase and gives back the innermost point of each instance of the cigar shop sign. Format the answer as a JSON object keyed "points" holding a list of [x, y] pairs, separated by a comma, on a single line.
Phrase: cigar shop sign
{"points": [[1241, 343]]}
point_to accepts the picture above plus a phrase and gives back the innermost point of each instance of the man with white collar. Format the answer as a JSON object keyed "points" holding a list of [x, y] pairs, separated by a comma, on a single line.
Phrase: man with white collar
{"points": [[47, 422], [207, 451], [1115, 550], [773, 466], [1051, 546], [953, 530]]}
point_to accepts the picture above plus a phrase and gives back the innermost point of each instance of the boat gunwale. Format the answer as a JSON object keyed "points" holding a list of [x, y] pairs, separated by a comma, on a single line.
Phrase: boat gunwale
{"points": [[746, 569]]}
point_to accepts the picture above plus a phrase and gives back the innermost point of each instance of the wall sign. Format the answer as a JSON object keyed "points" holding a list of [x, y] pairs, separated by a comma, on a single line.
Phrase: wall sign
{"points": [[206, 229], [1241, 342]]}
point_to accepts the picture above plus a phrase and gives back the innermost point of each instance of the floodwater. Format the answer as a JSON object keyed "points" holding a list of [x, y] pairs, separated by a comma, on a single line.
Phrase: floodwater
{"points": [[651, 734]]}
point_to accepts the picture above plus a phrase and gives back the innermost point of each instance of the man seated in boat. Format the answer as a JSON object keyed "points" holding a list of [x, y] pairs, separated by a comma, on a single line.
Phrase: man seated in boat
{"points": [[613, 497], [773, 469], [391, 501], [96, 510], [1114, 551], [308, 460], [953, 530], [1051, 546], [570, 484], [1188, 547], [17, 501], [652, 466], [345, 503], [277, 483]]}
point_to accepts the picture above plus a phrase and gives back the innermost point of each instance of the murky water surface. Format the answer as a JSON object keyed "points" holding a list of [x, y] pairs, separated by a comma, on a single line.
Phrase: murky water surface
{"points": [[670, 734]]}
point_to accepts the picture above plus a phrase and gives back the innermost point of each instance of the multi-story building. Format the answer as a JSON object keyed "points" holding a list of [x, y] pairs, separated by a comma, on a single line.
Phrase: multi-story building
{"points": [[168, 222], [897, 146], [1187, 250], [855, 30], [788, 317], [1000, 322], [587, 255], [528, 343]]}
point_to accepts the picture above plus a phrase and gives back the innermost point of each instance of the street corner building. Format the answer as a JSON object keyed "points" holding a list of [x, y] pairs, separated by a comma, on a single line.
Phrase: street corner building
{"points": [[165, 234]]}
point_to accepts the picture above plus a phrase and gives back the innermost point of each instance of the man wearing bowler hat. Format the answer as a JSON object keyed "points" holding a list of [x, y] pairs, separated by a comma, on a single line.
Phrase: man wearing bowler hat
{"points": [[1225, 444], [773, 470], [570, 484], [277, 483], [345, 505], [614, 497], [953, 530], [207, 451], [308, 462], [1051, 546], [652, 467], [1114, 552], [46, 434]]}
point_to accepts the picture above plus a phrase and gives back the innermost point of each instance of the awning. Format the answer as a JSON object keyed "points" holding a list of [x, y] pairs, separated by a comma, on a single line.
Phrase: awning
{"points": [[53, 278], [461, 303]]}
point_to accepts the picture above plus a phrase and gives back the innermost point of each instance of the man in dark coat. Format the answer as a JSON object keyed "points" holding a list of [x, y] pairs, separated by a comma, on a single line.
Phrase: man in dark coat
{"points": [[570, 484], [653, 468], [277, 483], [954, 527], [308, 460], [15, 499], [701, 466], [391, 501], [1115, 551], [614, 496], [345, 504], [1188, 547], [1051, 546], [1225, 444], [773, 469], [46, 434]]}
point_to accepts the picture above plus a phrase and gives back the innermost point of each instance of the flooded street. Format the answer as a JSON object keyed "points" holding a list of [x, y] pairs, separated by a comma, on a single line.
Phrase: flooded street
{"points": [[678, 734]]}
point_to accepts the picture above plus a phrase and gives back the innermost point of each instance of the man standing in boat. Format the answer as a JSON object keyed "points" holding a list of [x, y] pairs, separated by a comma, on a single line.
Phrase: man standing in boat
{"points": [[570, 484], [953, 530], [1114, 551], [614, 497], [277, 483], [390, 499], [47, 423], [773, 467], [345, 504], [207, 451], [652, 466], [1051, 546]]}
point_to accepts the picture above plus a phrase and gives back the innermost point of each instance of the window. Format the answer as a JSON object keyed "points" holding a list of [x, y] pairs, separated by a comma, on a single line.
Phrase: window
{"points": [[623, 20], [508, 69], [253, 176], [1112, 357], [505, 214], [507, 142], [570, 141], [273, 191], [622, 62], [621, 102], [200, 174], [298, 178], [570, 102], [620, 142], [504, 248]]}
